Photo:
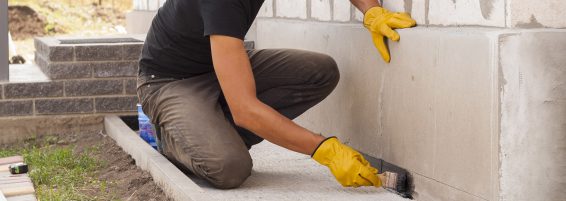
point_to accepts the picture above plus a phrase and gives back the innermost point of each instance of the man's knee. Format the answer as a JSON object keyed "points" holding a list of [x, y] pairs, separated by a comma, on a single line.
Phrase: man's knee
{"points": [[327, 70], [229, 171]]}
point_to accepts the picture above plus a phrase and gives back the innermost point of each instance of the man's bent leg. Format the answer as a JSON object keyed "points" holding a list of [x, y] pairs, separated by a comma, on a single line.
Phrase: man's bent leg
{"points": [[290, 81], [195, 132]]}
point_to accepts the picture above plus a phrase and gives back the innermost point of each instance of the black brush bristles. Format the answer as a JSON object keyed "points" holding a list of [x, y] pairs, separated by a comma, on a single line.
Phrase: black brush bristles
{"points": [[401, 185]]}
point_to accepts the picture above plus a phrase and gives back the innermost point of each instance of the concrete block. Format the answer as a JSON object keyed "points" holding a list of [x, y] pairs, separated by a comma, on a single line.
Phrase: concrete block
{"points": [[98, 52], [341, 10], [61, 53], [395, 6], [321, 10], [467, 12], [130, 86], [115, 69], [16, 108], [59, 70], [291, 9], [25, 73], [266, 9], [64, 106], [33, 90], [418, 10], [40, 47], [116, 104], [464, 108], [143, 4], [358, 15], [428, 189], [431, 110], [153, 5], [93, 87], [42, 63], [525, 14], [132, 51], [138, 22], [533, 121], [405, 99]]}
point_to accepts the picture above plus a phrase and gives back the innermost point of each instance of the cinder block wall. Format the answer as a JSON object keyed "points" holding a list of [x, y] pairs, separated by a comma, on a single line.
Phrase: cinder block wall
{"points": [[86, 80], [472, 102]]}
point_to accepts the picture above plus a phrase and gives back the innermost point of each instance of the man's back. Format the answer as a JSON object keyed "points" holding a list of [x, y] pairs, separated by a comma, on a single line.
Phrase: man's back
{"points": [[177, 43]]}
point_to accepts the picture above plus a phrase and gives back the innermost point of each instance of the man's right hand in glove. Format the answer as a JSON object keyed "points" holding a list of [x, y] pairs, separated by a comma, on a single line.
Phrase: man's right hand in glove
{"points": [[347, 165]]}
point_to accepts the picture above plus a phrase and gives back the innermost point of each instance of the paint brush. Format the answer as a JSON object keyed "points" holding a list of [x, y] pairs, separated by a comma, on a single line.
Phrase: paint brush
{"points": [[397, 183]]}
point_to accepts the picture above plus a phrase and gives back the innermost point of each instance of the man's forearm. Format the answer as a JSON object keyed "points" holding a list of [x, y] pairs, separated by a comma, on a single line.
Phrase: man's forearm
{"points": [[234, 72], [364, 5], [278, 129]]}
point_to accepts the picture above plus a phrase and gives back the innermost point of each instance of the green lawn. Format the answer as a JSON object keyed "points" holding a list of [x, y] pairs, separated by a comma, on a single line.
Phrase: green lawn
{"points": [[58, 173]]}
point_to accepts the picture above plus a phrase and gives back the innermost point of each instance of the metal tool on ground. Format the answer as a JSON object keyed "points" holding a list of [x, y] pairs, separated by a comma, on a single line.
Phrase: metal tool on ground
{"points": [[18, 168]]}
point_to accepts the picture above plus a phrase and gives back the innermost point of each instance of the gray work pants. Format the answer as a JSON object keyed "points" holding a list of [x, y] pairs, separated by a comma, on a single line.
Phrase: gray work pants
{"points": [[198, 133]]}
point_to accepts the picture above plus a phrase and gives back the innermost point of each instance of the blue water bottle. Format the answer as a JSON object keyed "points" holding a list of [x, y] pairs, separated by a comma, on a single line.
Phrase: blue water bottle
{"points": [[147, 130]]}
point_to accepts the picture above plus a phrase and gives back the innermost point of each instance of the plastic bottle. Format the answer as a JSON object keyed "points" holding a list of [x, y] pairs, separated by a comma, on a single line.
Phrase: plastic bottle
{"points": [[147, 130]]}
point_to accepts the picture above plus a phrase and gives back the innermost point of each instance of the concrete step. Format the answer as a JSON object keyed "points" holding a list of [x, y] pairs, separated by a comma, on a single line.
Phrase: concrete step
{"points": [[278, 175]]}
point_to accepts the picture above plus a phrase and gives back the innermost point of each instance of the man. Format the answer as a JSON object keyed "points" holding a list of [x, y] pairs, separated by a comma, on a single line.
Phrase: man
{"points": [[213, 100]]}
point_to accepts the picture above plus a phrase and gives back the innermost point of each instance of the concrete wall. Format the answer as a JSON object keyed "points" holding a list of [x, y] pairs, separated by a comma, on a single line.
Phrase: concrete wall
{"points": [[533, 121], [445, 107], [492, 13], [473, 102], [139, 19]]}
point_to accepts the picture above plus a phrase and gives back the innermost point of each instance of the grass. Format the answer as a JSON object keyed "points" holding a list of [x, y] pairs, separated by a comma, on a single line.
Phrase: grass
{"points": [[59, 173]]}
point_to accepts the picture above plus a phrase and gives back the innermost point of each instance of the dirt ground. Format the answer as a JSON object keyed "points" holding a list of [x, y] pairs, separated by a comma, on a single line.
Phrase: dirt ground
{"points": [[127, 181], [37, 18], [25, 23]]}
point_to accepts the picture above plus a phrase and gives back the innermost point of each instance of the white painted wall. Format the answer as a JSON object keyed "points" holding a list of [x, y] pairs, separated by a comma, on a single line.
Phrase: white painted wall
{"points": [[536, 14], [147, 5], [441, 108]]}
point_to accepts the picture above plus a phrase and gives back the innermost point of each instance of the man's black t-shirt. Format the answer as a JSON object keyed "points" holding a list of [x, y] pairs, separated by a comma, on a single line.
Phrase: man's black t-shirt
{"points": [[177, 43]]}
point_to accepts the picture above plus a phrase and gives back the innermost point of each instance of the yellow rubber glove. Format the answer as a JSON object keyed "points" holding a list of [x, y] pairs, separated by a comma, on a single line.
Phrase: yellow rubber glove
{"points": [[347, 165], [380, 22]]}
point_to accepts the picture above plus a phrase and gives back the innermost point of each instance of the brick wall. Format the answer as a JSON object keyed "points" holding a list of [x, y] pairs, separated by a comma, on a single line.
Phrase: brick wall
{"points": [[496, 13], [317, 10], [86, 77], [147, 5]]}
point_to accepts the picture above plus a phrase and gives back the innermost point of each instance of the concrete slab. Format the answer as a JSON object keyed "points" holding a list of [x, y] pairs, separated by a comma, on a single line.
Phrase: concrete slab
{"points": [[278, 174], [26, 73]]}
